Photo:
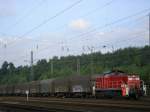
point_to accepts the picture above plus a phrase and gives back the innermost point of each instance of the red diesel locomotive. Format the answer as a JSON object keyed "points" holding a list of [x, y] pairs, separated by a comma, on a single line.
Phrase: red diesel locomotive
{"points": [[118, 83]]}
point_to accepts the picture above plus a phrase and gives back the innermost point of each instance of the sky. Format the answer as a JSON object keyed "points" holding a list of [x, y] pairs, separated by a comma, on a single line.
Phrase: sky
{"points": [[69, 27]]}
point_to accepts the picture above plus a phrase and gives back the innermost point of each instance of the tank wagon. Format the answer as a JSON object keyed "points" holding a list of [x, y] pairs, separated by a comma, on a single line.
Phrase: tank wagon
{"points": [[118, 84], [111, 84]]}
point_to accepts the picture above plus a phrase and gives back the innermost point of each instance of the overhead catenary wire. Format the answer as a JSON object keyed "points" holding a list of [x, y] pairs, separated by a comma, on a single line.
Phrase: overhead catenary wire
{"points": [[107, 26], [50, 18], [124, 40], [106, 31], [44, 22], [105, 43], [89, 13], [115, 43], [46, 41], [139, 54], [45, 48], [28, 13], [23, 17], [112, 23], [120, 41], [84, 15]]}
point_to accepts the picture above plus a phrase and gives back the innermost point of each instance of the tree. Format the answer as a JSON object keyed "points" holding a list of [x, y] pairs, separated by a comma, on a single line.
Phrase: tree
{"points": [[131, 60], [4, 69], [11, 68]]}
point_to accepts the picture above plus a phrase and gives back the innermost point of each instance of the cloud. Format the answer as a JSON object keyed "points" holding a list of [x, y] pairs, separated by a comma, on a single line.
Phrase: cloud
{"points": [[79, 24]]}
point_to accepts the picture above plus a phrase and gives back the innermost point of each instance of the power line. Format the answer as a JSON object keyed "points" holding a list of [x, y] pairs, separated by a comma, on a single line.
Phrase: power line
{"points": [[90, 12], [140, 18], [107, 32], [104, 41], [114, 22], [110, 31], [52, 17], [46, 41], [130, 16], [141, 32], [28, 13], [69, 61], [99, 8], [44, 22], [24, 16], [119, 41], [86, 14], [125, 40], [122, 41]]}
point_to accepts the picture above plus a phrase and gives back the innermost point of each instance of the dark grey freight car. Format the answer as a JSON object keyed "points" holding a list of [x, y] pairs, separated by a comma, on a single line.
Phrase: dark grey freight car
{"points": [[17, 89], [25, 87], [10, 89], [3, 90], [34, 88], [46, 87], [80, 86], [61, 87]]}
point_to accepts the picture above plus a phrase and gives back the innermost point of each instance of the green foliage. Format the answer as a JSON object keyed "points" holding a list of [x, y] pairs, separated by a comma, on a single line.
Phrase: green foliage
{"points": [[130, 60]]}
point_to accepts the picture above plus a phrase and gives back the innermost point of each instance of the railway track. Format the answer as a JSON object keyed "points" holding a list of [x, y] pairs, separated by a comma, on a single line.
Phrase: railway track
{"points": [[77, 103], [77, 100], [93, 100], [30, 108]]}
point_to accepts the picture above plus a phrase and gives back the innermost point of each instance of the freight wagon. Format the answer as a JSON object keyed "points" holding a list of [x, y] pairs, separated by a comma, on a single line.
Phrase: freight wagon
{"points": [[24, 88], [34, 88], [80, 86], [10, 89], [61, 87], [17, 89], [46, 87], [3, 90]]}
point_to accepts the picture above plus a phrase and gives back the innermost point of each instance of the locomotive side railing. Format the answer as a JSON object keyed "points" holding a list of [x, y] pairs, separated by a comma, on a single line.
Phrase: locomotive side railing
{"points": [[108, 84]]}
